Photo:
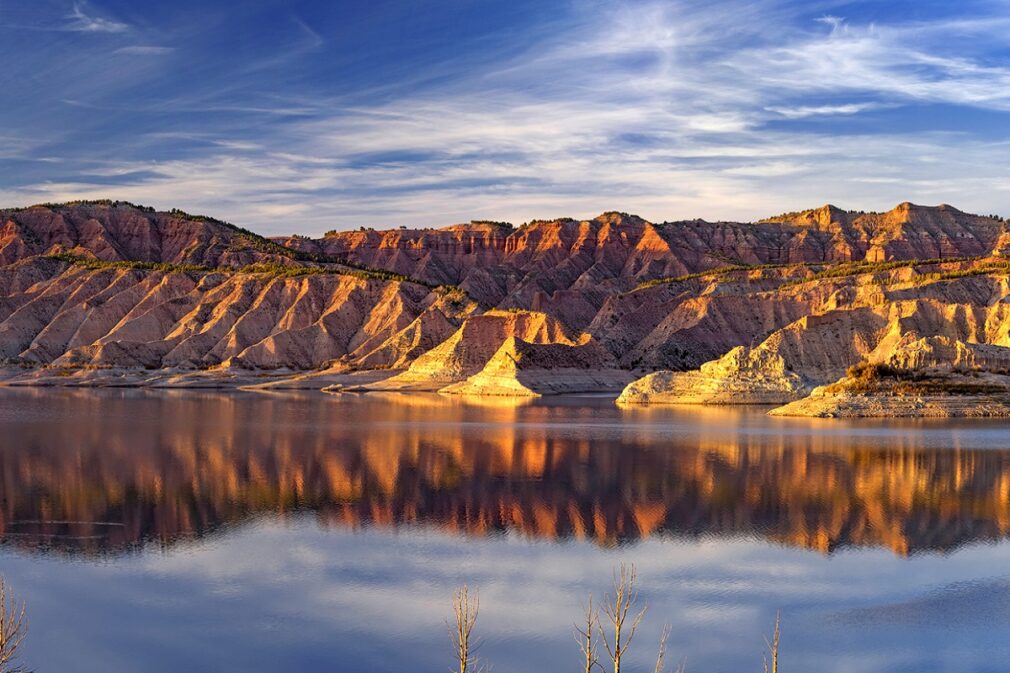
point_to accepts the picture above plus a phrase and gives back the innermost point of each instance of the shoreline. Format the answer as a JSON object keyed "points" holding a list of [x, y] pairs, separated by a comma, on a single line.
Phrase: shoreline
{"points": [[821, 403]]}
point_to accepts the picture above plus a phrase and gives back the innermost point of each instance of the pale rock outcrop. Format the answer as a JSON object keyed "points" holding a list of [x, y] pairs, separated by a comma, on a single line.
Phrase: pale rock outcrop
{"points": [[873, 318], [742, 376], [826, 403], [924, 377], [523, 369], [943, 353], [473, 345]]}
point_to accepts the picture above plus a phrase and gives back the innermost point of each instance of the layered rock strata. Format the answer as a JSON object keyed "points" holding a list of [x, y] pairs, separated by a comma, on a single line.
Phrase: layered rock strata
{"points": [[927, 377], [777, 307]]}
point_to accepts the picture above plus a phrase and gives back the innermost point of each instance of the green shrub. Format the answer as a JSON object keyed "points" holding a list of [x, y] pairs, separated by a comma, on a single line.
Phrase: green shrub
{"points": [[272, 269]]}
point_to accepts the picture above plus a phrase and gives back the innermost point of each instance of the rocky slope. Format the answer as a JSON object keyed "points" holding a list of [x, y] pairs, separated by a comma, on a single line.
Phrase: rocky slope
{"points": [[742, 376], [524, 369], [499, 345], [935, 376], [788, 303], [877, 314], [58, 313]]}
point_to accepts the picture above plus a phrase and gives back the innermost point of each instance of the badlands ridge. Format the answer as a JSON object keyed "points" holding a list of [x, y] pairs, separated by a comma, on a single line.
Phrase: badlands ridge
{"points": [[824, 312]]}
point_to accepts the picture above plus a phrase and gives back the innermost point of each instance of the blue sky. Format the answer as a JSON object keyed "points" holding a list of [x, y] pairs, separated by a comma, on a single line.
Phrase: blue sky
{"points": [[302, 116]]}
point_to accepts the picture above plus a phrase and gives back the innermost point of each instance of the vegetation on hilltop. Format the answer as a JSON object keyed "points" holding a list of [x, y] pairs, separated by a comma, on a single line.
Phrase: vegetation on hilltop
{"points": [[507, 226], [830, 270], [881, 379], [92, 263], [858, 268], [267, 268], [84, 202], [540, 221], [721, 271]]}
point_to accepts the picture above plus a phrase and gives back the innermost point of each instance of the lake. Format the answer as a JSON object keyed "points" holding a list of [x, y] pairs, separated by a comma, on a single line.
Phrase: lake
{"points": [[196, 531]]}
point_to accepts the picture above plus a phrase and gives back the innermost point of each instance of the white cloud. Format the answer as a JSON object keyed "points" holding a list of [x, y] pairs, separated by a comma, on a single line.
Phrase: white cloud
{"points": [[82, 22], [803, 111], [904, 62], [144, 50], [836, 22], [665, 115]]}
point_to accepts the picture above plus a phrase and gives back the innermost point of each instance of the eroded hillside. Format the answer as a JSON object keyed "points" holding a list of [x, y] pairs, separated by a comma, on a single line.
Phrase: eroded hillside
{"points": [[112, 285]]}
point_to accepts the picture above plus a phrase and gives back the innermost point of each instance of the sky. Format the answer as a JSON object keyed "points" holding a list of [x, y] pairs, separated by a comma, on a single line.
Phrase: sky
{"points": [[304, 116]]}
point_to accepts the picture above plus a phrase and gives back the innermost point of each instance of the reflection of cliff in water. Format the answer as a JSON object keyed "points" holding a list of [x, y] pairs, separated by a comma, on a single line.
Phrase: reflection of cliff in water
{"points": [[90, 473]]}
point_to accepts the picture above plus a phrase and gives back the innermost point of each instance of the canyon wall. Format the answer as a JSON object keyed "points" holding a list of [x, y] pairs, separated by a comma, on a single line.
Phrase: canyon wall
{"points": [[107, 284]]}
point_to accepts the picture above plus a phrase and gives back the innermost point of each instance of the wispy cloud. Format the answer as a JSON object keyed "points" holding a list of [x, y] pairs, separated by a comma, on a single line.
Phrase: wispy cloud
{"points": [[681, 110], [917, 61], [836, 22], [80, 20], [144, 50], [803, 111], [314, 38]]}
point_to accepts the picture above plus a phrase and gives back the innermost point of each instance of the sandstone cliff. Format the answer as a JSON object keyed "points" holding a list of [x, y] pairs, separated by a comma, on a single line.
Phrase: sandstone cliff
{"points": [[928, 377], [480, 338], [742, 376], [873, 314], [523, 369], [806, 295]]}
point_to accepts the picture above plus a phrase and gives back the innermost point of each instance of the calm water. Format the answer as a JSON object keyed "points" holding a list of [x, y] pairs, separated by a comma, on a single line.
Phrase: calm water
{"points": [[246, 532]]}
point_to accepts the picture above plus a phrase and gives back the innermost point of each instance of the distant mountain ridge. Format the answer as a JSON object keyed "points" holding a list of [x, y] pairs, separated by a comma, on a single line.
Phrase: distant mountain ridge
{"points": [[111, 284]]}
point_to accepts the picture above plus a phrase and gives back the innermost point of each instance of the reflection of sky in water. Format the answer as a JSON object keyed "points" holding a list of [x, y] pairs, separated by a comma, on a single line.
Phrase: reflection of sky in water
{"points": [[272, 597], [306, 592]]}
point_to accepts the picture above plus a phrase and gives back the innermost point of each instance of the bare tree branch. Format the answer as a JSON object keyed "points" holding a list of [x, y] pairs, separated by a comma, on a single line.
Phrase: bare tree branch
{"points": [[773, 647], [13, 629], [661, 657], [465, 609], [588, 645], [617, 609]]}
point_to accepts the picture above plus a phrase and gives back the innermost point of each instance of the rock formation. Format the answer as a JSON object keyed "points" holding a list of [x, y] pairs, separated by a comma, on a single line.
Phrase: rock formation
{"points": [[775, 308], [928, 377], [879, 314], [520, 368], [488, 342], [742, 376], [61, 314]]}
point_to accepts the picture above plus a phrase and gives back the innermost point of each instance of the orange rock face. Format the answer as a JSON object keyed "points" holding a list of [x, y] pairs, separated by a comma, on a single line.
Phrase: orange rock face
{"points": [[173, 290]]}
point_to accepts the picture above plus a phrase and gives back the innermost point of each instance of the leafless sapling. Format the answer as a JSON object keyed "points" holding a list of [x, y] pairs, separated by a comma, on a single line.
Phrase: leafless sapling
{"points": [[465, 607], [623, 620], [13, 629], [585, 636]]}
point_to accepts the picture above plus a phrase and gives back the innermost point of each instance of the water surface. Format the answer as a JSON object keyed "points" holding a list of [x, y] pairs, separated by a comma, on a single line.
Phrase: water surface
{"points": [[249, 532]]}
